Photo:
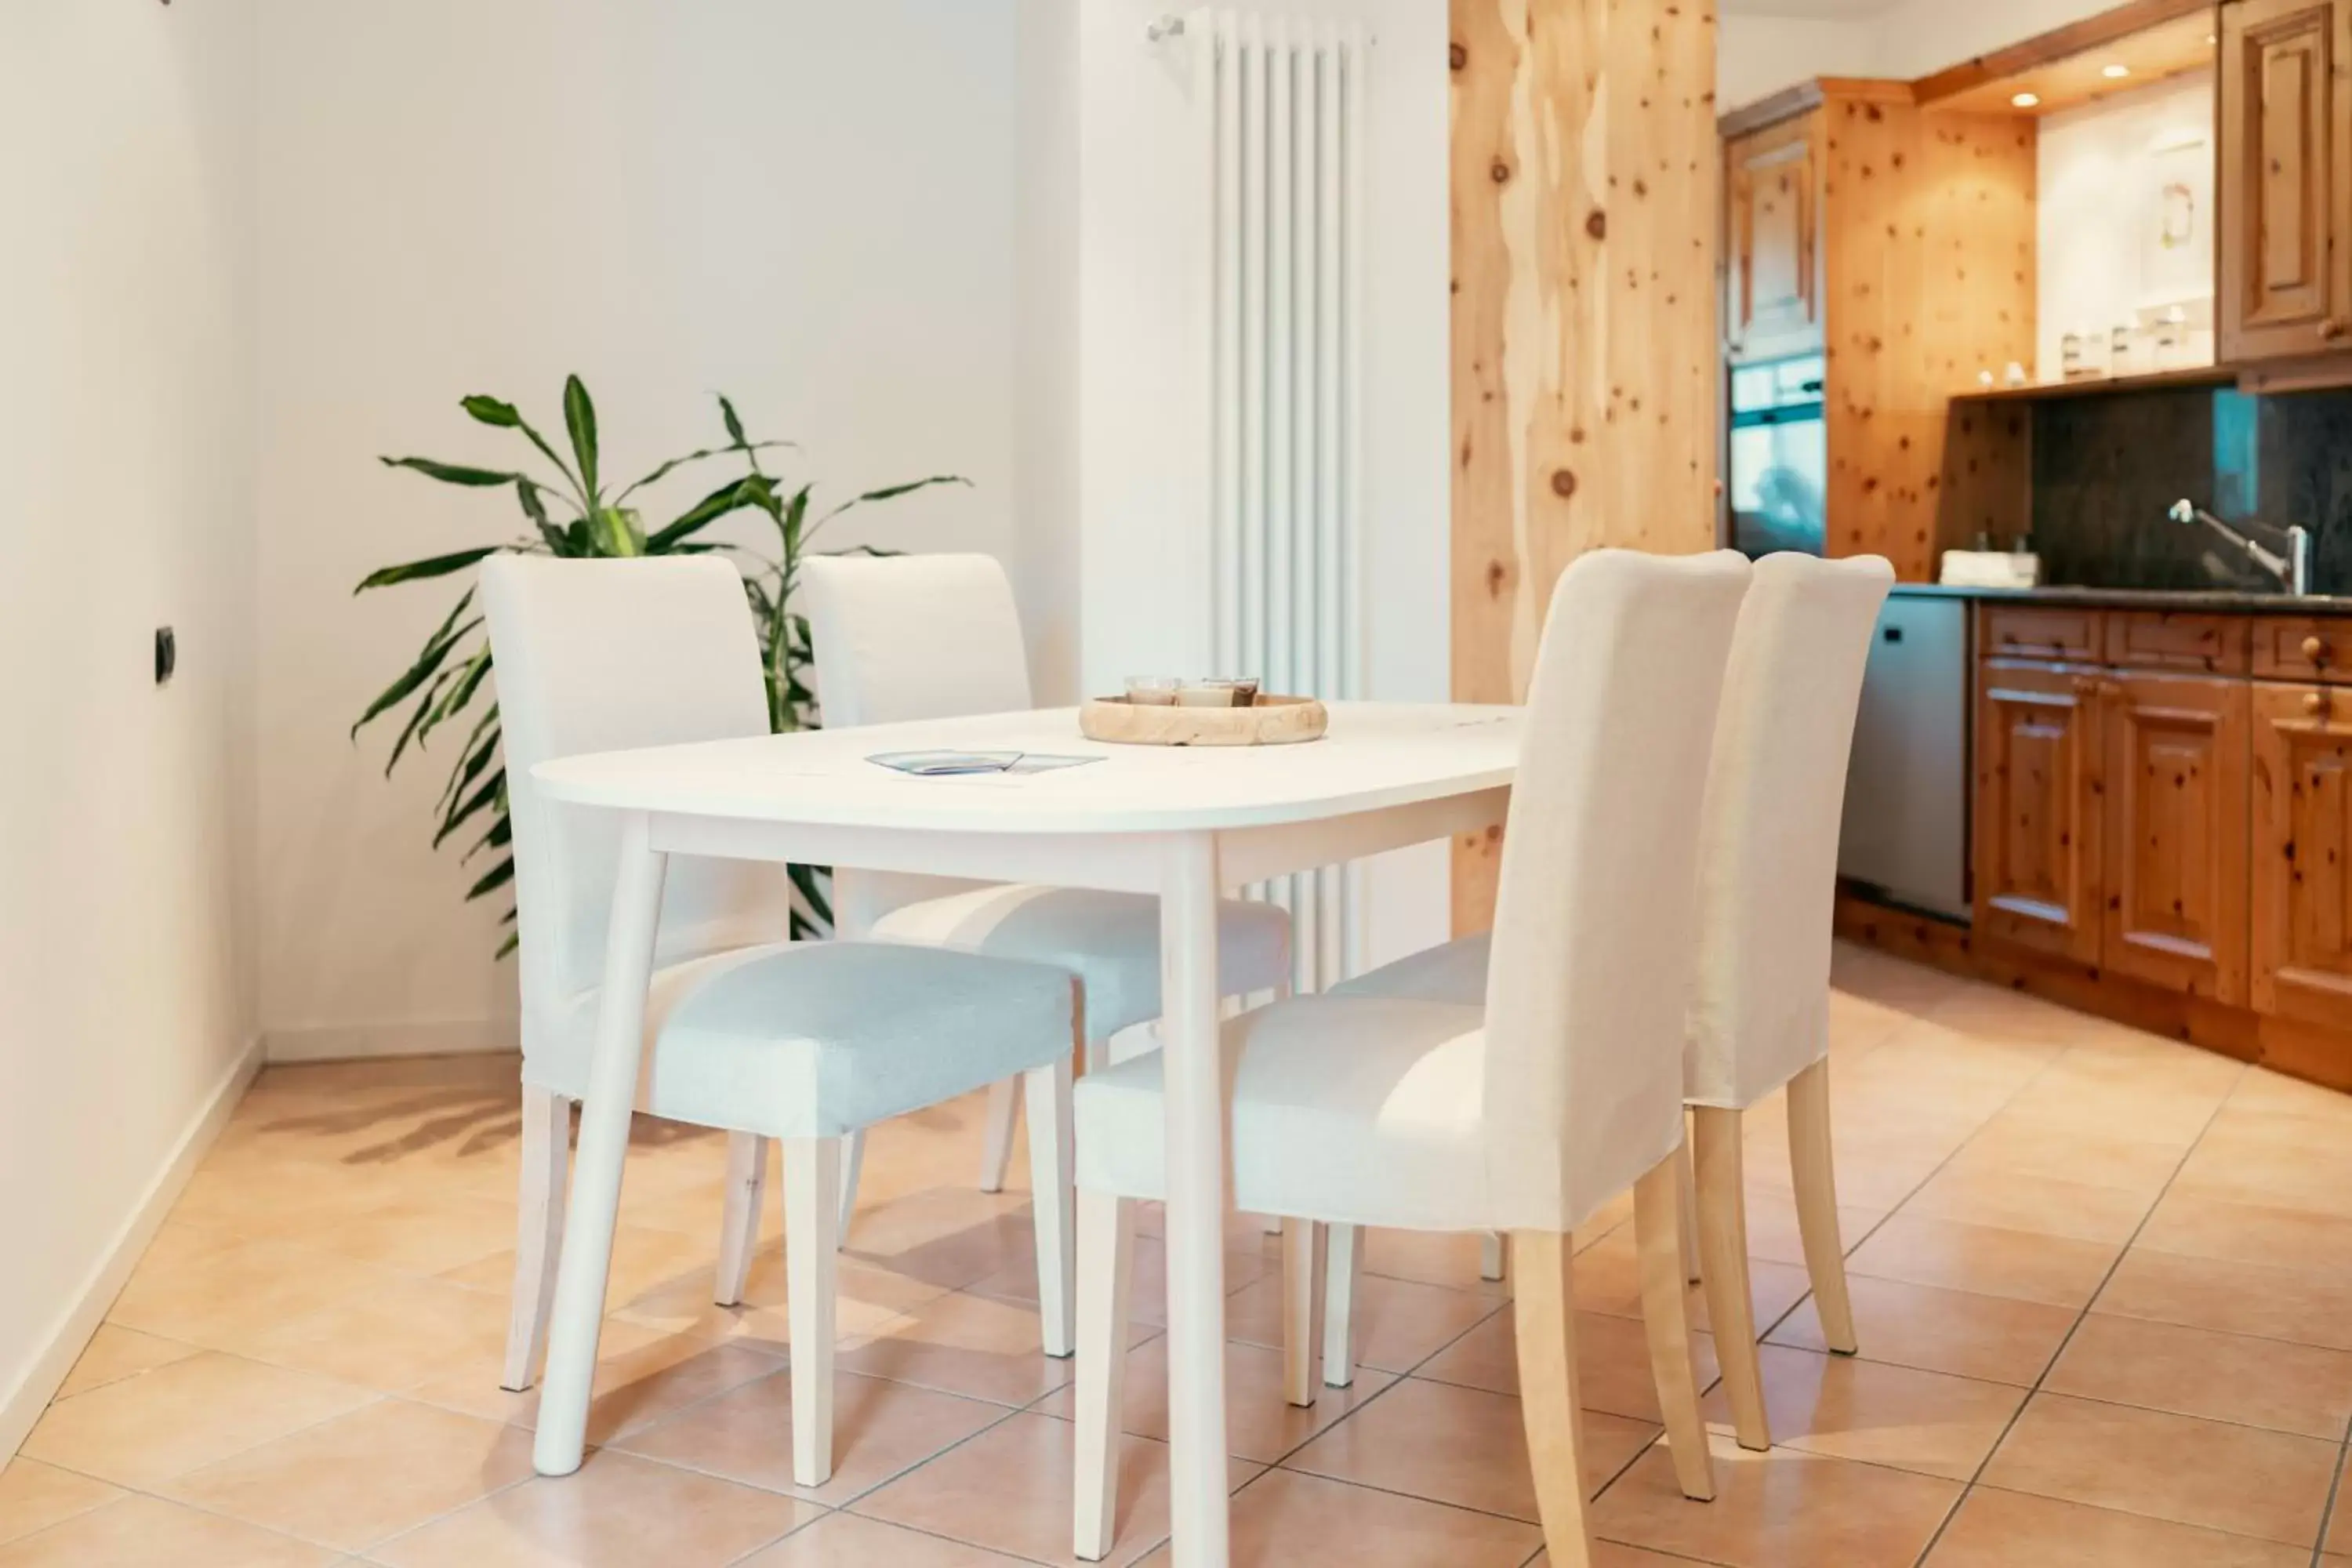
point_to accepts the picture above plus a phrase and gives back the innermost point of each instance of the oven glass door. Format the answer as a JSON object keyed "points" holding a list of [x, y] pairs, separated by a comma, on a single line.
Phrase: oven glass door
{"points": [[1780, 458]]}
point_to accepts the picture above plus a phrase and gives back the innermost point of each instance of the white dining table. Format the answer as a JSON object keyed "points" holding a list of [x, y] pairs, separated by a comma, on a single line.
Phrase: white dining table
{"points": [[1185, 824]]}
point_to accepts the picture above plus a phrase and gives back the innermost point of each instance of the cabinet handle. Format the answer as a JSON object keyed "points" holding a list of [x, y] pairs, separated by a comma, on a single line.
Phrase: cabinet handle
{"points": [[2084, 686], [2314, 651], [2315, 702], [2109, 691], [2331, 329]]}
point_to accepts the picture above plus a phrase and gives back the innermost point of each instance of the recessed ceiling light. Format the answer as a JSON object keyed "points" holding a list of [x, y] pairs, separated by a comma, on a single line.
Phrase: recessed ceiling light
{"points": [[2115, 73], [2026, 100]]}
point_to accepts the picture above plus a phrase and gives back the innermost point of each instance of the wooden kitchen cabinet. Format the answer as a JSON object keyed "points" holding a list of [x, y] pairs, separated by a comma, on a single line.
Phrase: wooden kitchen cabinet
{"points": [[2285, 178], [2040, 805], [1772, 183], [2175, 832], [2302, 853]]}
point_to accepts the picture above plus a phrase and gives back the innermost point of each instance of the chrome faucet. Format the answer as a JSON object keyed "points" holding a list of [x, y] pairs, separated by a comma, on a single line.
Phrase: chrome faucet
{"points": [[2293, 570]]}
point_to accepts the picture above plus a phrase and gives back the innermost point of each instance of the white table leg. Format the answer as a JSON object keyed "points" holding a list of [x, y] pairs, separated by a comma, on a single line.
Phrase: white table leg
{"points": [[604, 1145], [1195, 1109]]}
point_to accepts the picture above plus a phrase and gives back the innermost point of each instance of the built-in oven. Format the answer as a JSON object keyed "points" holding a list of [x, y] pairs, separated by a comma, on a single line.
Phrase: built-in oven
{"points": [[1778, 472]]}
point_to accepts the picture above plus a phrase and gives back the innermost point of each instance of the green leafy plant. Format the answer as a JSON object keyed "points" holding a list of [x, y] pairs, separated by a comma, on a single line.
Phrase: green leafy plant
{"points": [[574, 514]]}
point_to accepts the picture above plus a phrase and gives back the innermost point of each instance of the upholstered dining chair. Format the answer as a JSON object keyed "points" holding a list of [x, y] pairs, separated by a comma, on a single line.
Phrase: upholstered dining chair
{"points": [[934, 636], [1767, 881], [746, 1031], [1523, 1116]]}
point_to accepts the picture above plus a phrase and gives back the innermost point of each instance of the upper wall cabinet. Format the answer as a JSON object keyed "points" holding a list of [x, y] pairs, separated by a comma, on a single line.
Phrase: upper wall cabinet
{"points": [[2285, 178], [1773, 183]]}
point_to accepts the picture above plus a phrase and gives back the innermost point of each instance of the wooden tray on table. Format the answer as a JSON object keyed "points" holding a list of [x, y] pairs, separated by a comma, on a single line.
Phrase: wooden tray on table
{"points": [[1269, 722]]}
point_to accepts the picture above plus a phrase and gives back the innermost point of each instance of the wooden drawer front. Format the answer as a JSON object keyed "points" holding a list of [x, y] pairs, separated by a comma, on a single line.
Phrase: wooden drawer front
{"points": [[2019, 631], [2302, 811], [2303, 648], [2195, 645]]}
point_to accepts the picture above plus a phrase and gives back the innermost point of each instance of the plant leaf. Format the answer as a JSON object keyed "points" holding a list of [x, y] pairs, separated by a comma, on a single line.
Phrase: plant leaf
{"points": [[492, 411], [615, 533], [704, 455], [727, 417], [580, 419], [452, 473], [433, 566], [472, 758], [501, 835], [481, 799], [497, 877], [731, 497], [892, 493], [416, 719], [436, 649], [453, 702]]}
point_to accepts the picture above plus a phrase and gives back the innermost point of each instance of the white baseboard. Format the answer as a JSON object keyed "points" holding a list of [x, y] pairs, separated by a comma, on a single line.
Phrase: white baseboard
{"points": [[351, 1042], [22, 1406]]}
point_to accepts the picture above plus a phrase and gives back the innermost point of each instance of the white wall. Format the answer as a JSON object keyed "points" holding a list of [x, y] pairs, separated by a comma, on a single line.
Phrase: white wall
{"points": [[125, 432], [2100, 166], [1756, 57], [1142, 571], [1919, 36], [811, 207]]}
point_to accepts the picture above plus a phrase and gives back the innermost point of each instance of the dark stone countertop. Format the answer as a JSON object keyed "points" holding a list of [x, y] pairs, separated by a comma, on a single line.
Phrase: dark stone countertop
{"points": [[2210, 602]]}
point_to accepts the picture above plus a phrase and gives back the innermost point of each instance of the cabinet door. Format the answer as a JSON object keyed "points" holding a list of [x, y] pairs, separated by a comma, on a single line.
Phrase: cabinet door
{"points": [[2038, 809], [1775, 221], [2302, 853], [2285, 177], [2175, 833]]}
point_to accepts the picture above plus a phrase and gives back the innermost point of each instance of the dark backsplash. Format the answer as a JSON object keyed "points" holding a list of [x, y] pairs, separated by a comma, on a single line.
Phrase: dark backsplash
{"points": [[2107, 469]]}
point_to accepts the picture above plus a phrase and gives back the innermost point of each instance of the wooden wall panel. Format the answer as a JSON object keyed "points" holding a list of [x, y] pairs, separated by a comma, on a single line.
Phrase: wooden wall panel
{"points": [[1929, 278], [1586, 228]]}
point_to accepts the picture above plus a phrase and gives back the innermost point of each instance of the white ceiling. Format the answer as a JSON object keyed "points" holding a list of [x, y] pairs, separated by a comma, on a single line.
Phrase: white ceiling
{"points": [[1824, 10]]}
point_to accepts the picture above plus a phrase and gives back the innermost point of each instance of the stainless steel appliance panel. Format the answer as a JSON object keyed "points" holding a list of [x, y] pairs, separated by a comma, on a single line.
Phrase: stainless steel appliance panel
{"points": [[1905, 832]]}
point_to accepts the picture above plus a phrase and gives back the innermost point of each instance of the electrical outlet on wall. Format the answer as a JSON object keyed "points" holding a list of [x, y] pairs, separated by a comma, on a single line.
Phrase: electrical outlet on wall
{"points": [[167, 655]]}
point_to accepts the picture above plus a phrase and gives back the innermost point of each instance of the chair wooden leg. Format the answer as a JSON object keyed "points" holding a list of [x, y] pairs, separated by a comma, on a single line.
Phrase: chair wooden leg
{"points": [[1544, 1313], [853, 1166], [996, 1155], [1813, 1172], [1054, 1213], [812, 1221], [1723, 1255], [739, 1228], [539, 1230], [1686, 1194], [1657, 1233], [1302, 1309], [1343, 1278], [1494, 1257], [1106, 1271]]}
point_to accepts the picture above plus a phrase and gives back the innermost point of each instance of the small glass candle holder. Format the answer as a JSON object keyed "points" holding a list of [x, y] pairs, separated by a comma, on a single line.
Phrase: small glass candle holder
{"points": [[1153, 691]]}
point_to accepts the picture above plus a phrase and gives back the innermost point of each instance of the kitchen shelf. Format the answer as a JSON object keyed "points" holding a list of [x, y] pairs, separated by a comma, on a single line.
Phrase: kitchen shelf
{"points": [[2094, 386]]}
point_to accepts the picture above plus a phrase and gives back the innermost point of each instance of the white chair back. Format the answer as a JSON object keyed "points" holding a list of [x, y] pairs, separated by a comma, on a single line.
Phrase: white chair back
{"points": [[901, 638], [1596, 918], [1767, 851], [601, 656]]}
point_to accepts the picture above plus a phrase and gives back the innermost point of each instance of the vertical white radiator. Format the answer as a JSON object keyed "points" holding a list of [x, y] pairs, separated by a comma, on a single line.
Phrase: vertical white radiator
{"points": [[1279, 113]]}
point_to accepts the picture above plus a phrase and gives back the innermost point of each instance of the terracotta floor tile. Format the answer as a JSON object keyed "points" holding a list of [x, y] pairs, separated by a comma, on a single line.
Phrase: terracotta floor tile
{"points": [[1017, 1280], [1607, 1277], [115, 1352], [976, 1346], [2272, 1174], [1612, 1362], [35, 1496], [2236, 1479], [2196, 1372], [1008, 1490], [1787, 1509], [2096, 1156], [645, 1261], [2232, 1297], [2057, 1271], [2262, 1089], [642, 1376], [951, 1236], [616, 1511], [1892, 1415], [147, 1429], [1990, 1338], [845, 1541], [2025, 1201], [1772, 1226], [2250, 1233], [362, 1477], [1463, 1446], [2008, 1530], [232, 1293], [2339, 1521], [1437, 1258], [1283, 1520], [390, 1336], [147, 1532], [1398, 1323], [880, 1430], [426, 1232], [1260, 1424], [868, 1300]]}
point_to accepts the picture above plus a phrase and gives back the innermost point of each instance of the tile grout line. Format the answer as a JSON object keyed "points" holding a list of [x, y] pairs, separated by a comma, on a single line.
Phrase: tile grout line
{"points": [[2034, 1393], [2334, 1495]]}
